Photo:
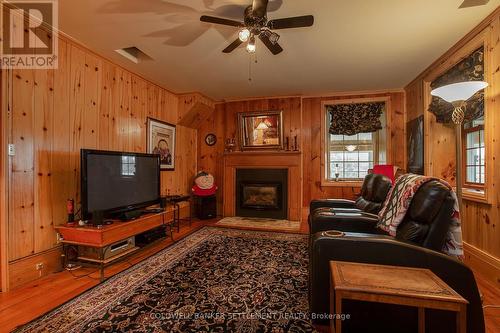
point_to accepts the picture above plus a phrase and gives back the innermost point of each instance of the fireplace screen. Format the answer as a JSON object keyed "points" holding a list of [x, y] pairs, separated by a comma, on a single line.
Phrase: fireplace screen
{"points": [[260, 196]]}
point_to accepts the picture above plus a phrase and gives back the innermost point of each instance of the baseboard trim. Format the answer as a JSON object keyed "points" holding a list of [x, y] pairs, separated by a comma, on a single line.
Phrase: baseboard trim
{"points": [[483, 263], [22, 271]]}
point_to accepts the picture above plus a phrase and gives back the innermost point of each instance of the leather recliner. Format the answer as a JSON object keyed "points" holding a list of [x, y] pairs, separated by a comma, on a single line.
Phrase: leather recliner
{"points": [[373, 193], [419, 239], [426, 222]]}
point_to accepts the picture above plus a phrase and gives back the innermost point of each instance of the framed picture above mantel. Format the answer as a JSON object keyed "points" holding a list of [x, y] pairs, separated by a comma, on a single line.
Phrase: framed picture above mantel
{"points": [[161, 140], [261, 130]]}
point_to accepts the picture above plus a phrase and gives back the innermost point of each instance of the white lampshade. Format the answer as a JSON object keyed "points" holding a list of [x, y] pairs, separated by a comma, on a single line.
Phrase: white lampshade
{"points": [[461, 91], [262, 126]]}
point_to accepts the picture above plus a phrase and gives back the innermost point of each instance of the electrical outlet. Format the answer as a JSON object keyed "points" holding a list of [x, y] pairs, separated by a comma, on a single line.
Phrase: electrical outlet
{"points": [[11, 149], [39, 266]]}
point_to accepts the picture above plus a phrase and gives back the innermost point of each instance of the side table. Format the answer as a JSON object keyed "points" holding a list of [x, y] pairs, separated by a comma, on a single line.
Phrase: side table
{"points": [[393, 285]]}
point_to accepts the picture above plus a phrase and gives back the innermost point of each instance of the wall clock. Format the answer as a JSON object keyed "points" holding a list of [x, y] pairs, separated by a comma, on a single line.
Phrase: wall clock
{"points": [[210, 139]]}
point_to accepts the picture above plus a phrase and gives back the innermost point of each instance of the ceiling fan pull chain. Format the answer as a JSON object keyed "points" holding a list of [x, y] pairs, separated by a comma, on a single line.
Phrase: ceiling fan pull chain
{"points": [[250, 69]]}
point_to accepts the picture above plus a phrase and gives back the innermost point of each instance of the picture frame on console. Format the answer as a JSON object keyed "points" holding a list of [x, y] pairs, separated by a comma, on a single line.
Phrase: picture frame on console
{"points": [[161, 141], [260, 130]]}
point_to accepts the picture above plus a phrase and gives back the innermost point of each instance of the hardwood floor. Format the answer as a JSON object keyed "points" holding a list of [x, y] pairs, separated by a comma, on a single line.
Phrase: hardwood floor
{"points": [[26, 303]]}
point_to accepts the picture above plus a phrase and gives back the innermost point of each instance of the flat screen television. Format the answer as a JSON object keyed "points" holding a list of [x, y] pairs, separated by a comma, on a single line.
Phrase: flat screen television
{"points": [[115, 182]]}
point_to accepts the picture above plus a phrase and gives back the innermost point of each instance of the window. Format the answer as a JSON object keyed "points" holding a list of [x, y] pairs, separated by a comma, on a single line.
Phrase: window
{"points": [[128, 165], [350, 157], [475, 166]]}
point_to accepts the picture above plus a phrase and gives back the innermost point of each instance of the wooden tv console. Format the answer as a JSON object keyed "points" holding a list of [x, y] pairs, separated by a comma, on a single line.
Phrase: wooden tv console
{"points": [[103, 237]]}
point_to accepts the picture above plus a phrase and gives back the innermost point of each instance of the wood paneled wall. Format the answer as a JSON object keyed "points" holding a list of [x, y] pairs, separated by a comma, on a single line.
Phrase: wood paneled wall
{"points": [[480, 219], [302, 118], [88, 102]]}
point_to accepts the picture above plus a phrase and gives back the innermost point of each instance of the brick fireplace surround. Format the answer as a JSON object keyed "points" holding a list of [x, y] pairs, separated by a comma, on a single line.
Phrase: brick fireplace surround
{"points": [[263, 160]]}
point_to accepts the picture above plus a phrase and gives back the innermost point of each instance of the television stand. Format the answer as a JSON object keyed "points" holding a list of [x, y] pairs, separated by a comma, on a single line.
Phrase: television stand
{"points": [[101, 239], [130, 215]]}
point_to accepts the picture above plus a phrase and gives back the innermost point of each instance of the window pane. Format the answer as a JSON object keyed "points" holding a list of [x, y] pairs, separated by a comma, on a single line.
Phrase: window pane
{"points": [[336, 156], [363, 167], [366, 156], [472, 177], [473, 139], [351, 138], [365, 136], [350, 164], [473, 156], [334, 137], [351, 175], [351, 156]]}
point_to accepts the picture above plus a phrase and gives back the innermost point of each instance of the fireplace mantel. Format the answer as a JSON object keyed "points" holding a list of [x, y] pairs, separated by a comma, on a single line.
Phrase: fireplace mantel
{"points": [[290, 160]]}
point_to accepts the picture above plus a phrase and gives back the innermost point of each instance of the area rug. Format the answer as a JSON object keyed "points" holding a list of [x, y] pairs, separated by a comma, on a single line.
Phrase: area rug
{"points": [[215, 280], [260, 223]]}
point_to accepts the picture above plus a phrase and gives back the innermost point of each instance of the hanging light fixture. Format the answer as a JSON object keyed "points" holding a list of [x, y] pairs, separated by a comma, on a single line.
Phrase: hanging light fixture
{"points": [[244, 35], [251, 44], [350, 148], [457, 94]]}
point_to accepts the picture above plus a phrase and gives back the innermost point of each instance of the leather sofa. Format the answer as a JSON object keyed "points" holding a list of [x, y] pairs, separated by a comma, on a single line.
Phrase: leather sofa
{"points": [[418, 242]]}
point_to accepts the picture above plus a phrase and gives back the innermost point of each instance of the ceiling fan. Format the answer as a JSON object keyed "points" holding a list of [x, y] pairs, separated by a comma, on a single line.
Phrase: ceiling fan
{"points": [[473, 3], [255, 24]]}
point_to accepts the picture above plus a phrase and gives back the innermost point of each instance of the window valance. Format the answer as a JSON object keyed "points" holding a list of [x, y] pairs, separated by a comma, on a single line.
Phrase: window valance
{"points": [[354, 118], [469, 69]]}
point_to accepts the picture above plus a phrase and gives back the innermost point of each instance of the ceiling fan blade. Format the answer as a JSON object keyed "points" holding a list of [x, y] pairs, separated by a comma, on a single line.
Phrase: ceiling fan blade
{"points": [[473, 3], [291, 22], [259, 7], [218, 20], [275, 48], [232, 46]]}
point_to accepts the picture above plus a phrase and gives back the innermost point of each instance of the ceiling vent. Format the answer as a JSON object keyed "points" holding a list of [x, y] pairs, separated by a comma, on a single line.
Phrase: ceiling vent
{"points": [[133, 54]]}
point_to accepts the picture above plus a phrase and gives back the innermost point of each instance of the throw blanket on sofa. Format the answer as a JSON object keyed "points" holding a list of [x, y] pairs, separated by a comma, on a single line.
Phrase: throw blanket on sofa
{"points": [[398, 201]]}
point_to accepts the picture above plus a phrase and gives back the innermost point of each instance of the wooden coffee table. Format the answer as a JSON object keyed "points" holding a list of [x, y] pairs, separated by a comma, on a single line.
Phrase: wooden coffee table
{"points": [[393, 285]]}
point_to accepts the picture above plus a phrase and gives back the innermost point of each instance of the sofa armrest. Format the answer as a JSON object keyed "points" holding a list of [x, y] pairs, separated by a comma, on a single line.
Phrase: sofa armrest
{"points": [[343, 219], [330, 203], [385, 250]]}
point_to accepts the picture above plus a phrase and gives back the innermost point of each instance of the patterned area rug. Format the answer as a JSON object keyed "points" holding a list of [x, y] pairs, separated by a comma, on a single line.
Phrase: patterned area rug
{"points": [[261, 223], [215, 280]]}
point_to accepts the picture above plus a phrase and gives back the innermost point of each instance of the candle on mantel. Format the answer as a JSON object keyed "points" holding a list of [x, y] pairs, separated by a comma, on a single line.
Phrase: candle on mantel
{"points": [[295, 147]]}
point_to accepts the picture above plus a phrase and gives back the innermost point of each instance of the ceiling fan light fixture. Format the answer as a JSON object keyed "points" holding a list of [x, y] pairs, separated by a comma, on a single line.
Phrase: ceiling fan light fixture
{"points": [[272, 36], [244, 34], [251, 45]]}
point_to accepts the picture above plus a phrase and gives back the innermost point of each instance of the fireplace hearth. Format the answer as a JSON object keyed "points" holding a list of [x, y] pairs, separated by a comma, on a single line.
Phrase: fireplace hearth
{"points": [[262, 193]]}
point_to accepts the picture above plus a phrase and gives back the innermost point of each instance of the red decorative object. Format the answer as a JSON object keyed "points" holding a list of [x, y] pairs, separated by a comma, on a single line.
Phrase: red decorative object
{"points": [[386, 170], [204, 185]]}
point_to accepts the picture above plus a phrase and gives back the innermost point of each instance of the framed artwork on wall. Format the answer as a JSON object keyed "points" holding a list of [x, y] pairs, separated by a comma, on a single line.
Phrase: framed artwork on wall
{"points": [[415, 144], [261, 130], [161, 140]]}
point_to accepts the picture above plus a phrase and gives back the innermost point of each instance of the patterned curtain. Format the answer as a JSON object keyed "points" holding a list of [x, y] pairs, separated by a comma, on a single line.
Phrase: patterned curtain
{"points": [[469, 69], [354, 118]]}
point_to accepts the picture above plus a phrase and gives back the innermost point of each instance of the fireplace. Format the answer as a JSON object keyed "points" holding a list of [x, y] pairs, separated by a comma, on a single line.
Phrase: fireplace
{"points": [[262, 193]]}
